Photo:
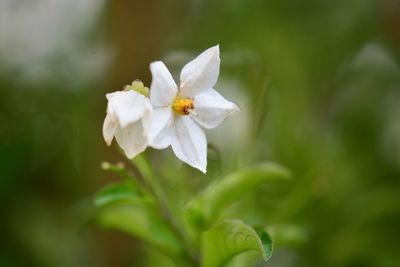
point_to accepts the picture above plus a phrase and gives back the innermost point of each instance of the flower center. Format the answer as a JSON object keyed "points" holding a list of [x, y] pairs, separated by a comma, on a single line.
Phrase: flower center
{"points": [[182, 106]]}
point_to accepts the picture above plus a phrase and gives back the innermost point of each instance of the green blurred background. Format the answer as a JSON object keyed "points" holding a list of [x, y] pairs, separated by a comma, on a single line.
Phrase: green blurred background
{"points": [[318, 83]]}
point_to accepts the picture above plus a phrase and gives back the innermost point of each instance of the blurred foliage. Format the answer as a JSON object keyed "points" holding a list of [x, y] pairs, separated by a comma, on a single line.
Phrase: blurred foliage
{"points": [[193, 234], [318, 84]]}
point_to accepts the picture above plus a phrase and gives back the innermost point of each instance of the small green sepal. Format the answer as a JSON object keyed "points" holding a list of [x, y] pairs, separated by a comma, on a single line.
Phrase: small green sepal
{"points": [[138, 86]]}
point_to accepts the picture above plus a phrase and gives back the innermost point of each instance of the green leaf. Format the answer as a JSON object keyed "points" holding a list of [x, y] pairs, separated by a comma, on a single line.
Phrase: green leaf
{"points": [[124, 192], [204, 209], [231, 237], [141, 222]]}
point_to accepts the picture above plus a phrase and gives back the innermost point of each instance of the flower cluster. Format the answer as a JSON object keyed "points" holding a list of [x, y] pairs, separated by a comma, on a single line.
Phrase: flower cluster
{"points": [[169, 115]]}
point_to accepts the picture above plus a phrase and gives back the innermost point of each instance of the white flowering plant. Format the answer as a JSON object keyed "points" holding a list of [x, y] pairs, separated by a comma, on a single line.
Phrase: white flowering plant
{"points": [[198, 232]]}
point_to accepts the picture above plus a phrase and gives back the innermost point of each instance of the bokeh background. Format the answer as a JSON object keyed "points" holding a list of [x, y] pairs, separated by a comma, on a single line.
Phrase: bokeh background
{"points": [[318, 83]]}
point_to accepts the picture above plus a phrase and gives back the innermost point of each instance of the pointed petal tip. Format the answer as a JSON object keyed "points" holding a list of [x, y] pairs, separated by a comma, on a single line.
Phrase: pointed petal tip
{"points": [[204, 171], [155, 63], [201, 73], [236, 108], [109, 128], [201, 168], [215, 47], [108, 143], [215, 50], [131, 155]]}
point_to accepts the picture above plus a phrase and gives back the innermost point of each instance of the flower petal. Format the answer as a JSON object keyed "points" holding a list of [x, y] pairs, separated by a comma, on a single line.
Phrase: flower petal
{"points": [[131, 139], [211, 109], [201, 73], [160, 127], [109, 127], [163, 88], [189, 143], [128, 106]]}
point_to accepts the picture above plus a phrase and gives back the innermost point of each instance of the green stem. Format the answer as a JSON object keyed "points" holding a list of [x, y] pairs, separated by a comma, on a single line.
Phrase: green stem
{"points": [[165, 206]]}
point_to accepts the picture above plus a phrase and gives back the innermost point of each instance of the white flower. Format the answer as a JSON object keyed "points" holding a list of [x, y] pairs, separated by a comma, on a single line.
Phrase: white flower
{"points": [[178, 112], [127, 111]]}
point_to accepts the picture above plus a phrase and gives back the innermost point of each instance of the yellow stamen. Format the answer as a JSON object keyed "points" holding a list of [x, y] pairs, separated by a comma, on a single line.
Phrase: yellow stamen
{"points": [[183, 106]]}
